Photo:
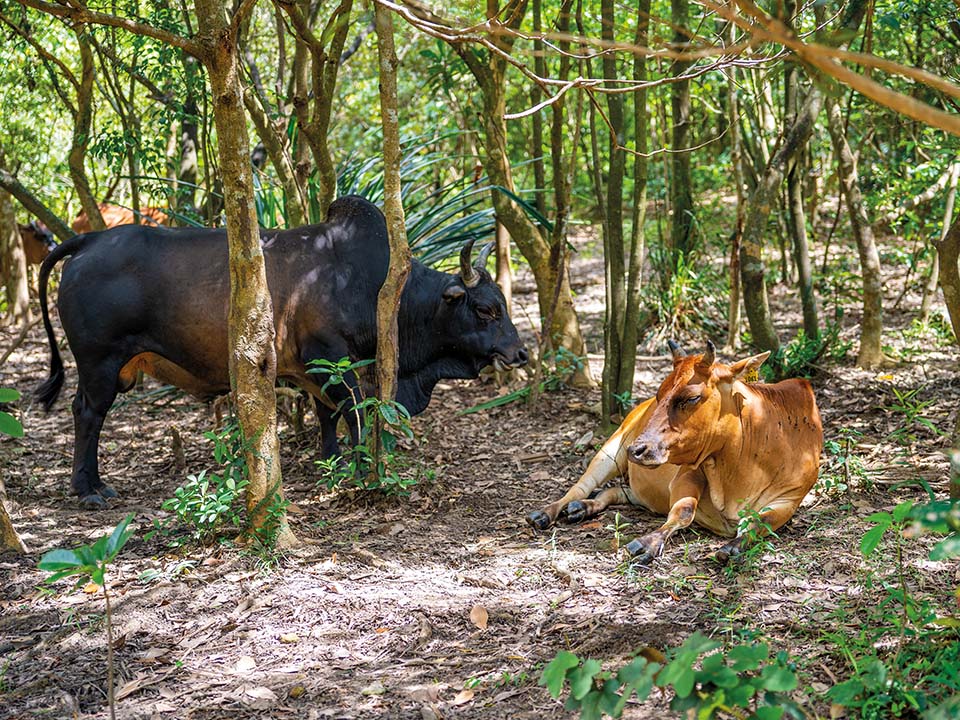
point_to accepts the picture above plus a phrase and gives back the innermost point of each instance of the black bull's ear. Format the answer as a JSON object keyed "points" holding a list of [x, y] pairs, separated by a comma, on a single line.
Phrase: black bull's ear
{"points": [[453, 293]]}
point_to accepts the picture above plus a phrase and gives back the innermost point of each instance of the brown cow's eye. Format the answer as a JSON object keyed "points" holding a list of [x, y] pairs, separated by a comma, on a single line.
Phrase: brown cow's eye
{"points": [[687, 401]]}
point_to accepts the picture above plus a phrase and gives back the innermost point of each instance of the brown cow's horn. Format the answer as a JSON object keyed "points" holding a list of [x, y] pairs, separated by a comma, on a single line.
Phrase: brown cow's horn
{"points": [[485, 251], [710, 355], [468, 273], [675, 349]]}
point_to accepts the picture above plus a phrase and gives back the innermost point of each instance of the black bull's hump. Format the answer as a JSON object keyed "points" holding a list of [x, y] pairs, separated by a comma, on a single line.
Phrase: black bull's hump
{"points": [[156, 299]]}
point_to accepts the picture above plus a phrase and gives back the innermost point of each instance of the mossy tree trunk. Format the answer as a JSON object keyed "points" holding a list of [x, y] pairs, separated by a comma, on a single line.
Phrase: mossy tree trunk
{"points": [[388, 301], [253, 361], [13, 265]]}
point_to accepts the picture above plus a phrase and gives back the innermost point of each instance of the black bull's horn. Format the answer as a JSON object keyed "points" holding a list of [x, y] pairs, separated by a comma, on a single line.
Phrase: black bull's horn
{"points": [[468, 271]]}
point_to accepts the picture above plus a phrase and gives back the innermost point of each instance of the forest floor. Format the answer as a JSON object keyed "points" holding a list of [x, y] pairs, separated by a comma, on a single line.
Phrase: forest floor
{"points": [[444, 603]]}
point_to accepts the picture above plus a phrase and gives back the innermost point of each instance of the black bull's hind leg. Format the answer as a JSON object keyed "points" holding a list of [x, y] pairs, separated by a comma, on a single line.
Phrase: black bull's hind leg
{"points": [[95, 394]]}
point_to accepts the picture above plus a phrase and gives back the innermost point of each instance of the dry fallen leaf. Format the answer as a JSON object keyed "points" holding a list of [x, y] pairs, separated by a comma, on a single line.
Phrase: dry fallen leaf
{"points": [[246, 663], [464, 696], [297, 691], [478, 616], [289, 638], [90, 588]]}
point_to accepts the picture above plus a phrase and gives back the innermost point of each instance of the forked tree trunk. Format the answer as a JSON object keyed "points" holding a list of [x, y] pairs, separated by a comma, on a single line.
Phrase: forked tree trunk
{"points": [[490, 74], [388, 300], [13, 264], [253, 361], [871, 324], [762, 201]]}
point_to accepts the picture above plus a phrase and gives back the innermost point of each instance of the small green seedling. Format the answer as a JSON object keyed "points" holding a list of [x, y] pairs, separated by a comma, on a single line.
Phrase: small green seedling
{"points": [[9, 425], [90, 562]]}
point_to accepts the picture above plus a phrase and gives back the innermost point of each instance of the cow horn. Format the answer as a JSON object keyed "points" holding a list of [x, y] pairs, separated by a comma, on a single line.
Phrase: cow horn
{"points": [[675, 349], [468, 273], [482, 256], [710, 355]]}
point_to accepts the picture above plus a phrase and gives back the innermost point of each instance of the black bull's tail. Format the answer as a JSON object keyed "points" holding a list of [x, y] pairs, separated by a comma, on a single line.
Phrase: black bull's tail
{"points": [[48, 392]]}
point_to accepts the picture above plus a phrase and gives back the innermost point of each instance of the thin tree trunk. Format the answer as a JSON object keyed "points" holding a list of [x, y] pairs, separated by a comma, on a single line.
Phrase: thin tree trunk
{"points": [[612, 229], [681, 193], [388, 301], [795, 209], [762, 201], [81, 132], [253, 361], [540, 68], [639, 214], [736, 167], [490, 73], [13, 265], [930, 289], [504, 273], [871, 324]]}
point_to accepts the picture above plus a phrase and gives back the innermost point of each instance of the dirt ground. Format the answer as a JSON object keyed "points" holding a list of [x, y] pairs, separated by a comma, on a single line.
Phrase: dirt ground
{"points": [[442, 604]]}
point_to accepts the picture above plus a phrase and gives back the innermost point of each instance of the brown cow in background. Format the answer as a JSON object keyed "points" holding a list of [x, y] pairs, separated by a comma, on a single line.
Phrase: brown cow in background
{"points": [[37, 242], [114, 215], [708, 447]]}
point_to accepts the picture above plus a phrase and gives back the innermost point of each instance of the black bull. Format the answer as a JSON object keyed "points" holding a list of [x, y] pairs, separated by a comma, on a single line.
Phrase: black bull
{"points": [[156, 299]]}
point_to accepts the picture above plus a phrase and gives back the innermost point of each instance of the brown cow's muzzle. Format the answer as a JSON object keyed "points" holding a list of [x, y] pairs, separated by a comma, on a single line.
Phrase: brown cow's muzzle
{"points": [[647, 452]]}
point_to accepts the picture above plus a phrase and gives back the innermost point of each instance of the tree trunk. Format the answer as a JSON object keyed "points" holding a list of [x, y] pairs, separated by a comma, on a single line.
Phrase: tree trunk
{"points": [[761, 204], [949, 250], [540, 68], [13, 264], [682, 228], [639, 216], [82, 122], [388, 301], [736, 167], [795, 207], [930, 289], [490, 73], [9, 539], [871, 324], [613, 248], [253, 361], [504, 273]]}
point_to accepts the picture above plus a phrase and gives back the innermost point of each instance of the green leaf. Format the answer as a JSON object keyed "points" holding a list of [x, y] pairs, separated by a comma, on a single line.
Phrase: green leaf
{"points": [[946, 549], [581, 679], [389, 414], [740, 696], [902, 511], [58, 560], [871, 538], [9, 395], [9, 425], [556, 672], [777, 678], [768, 712], [846, 692], [747, 657], [118, 538]]}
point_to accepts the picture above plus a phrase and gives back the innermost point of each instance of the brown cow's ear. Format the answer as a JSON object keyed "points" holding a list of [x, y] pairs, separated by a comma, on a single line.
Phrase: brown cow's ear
{"points": [[748, 364], [453, 292]]}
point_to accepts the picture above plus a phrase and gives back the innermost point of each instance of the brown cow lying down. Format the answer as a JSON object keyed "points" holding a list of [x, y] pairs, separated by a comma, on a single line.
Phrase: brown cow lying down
{"points": [[114, 215], [708, 446]]}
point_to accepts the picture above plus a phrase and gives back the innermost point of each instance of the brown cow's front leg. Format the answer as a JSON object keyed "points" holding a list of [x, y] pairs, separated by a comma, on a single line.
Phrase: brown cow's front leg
{"points": [[580, 510], [773, 516], [685, 491]]}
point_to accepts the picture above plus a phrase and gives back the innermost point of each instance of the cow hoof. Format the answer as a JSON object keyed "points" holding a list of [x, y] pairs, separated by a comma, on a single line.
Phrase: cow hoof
{"points": [[727, 553], [538, 520], [93, 502], [574, 512], [105, 491], [639, 553]]}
